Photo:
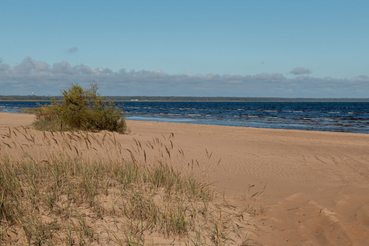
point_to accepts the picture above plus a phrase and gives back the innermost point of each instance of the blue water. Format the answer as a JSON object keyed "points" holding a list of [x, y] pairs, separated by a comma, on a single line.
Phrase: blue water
{"points": [[324, 116]]}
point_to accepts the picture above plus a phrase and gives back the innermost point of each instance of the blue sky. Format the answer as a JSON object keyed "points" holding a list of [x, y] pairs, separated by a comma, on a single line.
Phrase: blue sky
{"points": [[186, 48]]}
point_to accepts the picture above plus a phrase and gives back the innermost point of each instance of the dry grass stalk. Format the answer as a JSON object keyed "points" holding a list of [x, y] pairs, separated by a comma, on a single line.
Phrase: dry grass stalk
{"points": [[59, 196]]}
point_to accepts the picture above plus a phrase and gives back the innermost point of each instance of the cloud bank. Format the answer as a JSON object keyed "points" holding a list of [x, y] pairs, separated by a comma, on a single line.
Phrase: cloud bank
{"points": [[300, 71], [44, 79]]}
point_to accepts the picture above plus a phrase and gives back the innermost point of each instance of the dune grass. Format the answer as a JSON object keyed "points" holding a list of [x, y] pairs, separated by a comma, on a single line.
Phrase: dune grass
{"points": [[62, 197]]}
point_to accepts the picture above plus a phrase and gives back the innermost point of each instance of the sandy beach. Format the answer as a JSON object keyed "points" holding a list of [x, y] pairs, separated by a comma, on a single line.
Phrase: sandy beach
{"points": [[310, 188]]}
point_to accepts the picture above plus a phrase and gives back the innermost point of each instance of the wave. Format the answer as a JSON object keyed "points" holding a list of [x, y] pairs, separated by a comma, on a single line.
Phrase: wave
{"points": [[322, 116]]}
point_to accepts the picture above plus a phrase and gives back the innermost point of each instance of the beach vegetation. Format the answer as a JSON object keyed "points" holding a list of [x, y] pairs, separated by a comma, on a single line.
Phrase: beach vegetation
{"points": [[80, 109], [65, 195]]}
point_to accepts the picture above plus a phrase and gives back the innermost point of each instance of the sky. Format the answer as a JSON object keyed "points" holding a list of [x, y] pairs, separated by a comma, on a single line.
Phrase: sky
{"points": [[275, 48]]}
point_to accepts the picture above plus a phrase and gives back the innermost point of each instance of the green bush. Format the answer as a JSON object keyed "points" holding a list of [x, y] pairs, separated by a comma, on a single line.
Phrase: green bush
{"points": [[80, 110]]}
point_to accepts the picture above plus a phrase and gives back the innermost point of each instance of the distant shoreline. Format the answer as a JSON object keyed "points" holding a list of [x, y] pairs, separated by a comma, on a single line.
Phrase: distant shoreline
{"points": [[187, 99]]}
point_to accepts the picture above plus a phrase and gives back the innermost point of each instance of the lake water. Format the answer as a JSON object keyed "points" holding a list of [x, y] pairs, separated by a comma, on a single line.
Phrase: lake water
{"points": [[319, 116]]}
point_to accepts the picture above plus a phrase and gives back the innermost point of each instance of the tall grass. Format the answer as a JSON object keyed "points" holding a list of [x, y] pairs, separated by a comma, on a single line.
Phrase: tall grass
{"points": [[60, 196]]}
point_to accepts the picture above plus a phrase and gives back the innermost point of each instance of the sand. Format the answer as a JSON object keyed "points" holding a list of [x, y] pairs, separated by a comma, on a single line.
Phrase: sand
{"points": [[310, 188]]}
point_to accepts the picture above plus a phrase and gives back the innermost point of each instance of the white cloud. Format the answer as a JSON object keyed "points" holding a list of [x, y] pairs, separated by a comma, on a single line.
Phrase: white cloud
{"points": [[45, 79], [29, 65], [62, 68]]}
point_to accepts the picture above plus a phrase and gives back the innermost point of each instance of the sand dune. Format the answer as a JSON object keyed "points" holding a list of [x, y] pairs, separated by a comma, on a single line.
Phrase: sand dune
{"points": [[312, 187]]}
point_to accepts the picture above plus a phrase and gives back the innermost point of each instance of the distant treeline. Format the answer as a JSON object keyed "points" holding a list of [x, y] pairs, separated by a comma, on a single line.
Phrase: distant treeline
{"points": [[28, 98], [191, 99]]}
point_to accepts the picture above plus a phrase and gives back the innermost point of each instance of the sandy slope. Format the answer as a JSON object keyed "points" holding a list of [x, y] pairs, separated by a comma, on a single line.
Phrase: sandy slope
{"points": [[314, 185]]}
